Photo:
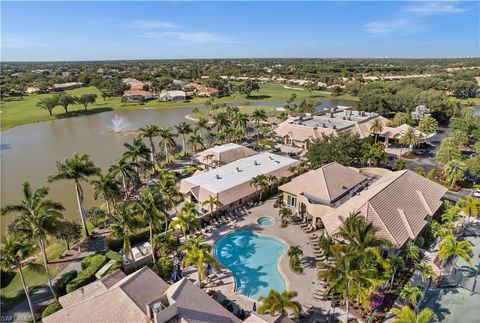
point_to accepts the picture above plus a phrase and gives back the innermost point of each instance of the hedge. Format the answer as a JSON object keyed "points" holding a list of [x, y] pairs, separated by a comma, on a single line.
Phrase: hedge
{"points": [[60, 286], [92, 264], [50, 309], [112, 255], [115, 244]]}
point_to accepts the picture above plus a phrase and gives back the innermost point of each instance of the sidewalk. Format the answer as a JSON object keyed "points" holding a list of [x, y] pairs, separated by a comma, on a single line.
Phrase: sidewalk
{"points": [[43, 296]]}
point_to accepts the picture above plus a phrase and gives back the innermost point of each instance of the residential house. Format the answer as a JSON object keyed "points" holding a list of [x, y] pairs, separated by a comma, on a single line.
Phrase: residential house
{"points": [[32, 90], [173, 96], [64, 86], [136, 96], [221, 155], [134, 84]]}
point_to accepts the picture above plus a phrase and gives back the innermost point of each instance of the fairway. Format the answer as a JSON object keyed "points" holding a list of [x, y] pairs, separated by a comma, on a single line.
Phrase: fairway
{"points": [[15, 112]]}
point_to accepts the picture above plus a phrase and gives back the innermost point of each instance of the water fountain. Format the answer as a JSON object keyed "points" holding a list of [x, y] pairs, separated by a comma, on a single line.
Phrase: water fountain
{"points": [[119, 124]]}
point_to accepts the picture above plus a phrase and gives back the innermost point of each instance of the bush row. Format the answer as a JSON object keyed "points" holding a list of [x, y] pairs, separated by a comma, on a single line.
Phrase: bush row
{"points": [[115, 244], [91, 265], [60, 286], [112, 255], [50, 309]]}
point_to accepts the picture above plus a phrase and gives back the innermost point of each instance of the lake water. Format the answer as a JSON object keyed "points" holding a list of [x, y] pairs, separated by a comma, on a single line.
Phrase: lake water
{"points": [[29, 152]]}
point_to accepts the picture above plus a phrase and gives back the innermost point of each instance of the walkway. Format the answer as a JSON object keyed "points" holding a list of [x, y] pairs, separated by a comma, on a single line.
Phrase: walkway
{"points": [[43, 296]]}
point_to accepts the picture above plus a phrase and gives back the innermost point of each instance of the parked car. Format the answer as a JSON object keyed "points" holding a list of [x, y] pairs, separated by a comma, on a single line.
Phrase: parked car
{"points": [[476, 193]]}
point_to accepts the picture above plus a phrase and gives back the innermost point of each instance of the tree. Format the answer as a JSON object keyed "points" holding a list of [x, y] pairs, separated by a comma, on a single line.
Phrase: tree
{"points": [[208, 159], [167, 141], [399, 119], [426, 272], [260, 183], [285, 215], [108, 188], [279, 303], [197, 142], [248, 87], [126, 169], [86, 99], [198, 254], [399, 164], [412, 251], [396, 263], [13, 251], [186, 220], [343, 148], [65, 100], [150, 131], [48, 104], [221, 121], [135, 151], [240, 120], [455, 171], [69, 232], [410, 294], [376, 154], [448, 150], [78, 168], [452, 248], [202, 123], [258, 116], [470, 206], [376, 128], [213, 203], [407, 315], [183, 129], [38, 219], [123, 224], [428, 125], [410, 138]]}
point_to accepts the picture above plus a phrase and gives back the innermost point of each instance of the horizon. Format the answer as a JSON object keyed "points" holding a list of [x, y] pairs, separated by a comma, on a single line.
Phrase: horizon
{"points": [[139, 31]]}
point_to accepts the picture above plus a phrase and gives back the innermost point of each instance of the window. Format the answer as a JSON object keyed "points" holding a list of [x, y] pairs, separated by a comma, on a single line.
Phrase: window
{"points": [[291, 200]]}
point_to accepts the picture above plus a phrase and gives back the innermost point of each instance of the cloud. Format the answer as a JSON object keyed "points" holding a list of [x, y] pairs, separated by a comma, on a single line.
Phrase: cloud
{"points": [[401, 25], [150, 24], [193, 37], [435, 8], [17, 41]]}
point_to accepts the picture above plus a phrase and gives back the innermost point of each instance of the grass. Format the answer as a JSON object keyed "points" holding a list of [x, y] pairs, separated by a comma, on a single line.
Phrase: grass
{"points": [[35, 278], [248, 109], [15, 111]]}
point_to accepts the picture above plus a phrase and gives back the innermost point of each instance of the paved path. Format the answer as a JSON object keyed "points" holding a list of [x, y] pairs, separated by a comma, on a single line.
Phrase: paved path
{"points": [[43, 296]]}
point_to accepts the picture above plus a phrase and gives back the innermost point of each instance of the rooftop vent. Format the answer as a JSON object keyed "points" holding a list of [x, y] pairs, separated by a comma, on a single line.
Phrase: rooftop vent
{"points": [[324, 125], [218, 176], [270, 157], [238, 169], [334, 127], [256, 163], [277, 161], [343, 118]]}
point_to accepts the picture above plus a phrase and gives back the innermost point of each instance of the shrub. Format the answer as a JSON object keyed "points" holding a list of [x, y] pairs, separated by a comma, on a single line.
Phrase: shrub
{"points": [[112, 255], [116, 244], [86, 276], [50, 309], [431, 174], [60, 286]]}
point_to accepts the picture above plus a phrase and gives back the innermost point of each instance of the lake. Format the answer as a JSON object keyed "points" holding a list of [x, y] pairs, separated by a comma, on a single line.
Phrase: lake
{"points": [[29, 152]]}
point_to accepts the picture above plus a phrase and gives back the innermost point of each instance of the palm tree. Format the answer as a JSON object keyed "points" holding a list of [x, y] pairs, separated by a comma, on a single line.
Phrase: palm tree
{"points": [[221, 121], [407, 315], [38, 218], [426, 271], [278, 304], [124, 223], [412, 251], [428, 125], [136, 150], [167, 141], [202, 123], [285, 215], [151, 211], [213, 203], [150, 131], [376, 154], [77, 168], [240, 120], [410, 138], [452, 248], [294, 252], [198, 254], [183, 129], [124, 168], [196, 141], [396, 263], [13, 252], [258, 116], [410, 294], [454, 171], [207, 158], [167, 192], [186, 220], [376, 128], [469, 206], [108, 188], [260, 183]]}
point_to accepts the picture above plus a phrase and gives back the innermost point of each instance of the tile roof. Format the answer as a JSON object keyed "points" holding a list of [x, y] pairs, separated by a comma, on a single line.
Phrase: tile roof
{"points": [[224, 153]]}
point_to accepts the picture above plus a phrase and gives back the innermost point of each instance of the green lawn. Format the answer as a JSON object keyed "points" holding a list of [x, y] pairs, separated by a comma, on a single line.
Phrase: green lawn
{"points": [[16, 112], [34, 276], [248, 109]]}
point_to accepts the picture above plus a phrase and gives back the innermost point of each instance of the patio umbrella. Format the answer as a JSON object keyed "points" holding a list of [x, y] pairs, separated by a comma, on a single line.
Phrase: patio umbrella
{"points": [[254, 306]]}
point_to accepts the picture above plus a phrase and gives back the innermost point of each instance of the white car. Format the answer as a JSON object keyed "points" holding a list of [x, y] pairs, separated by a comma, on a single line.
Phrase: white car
{"points": [[476, 193]]}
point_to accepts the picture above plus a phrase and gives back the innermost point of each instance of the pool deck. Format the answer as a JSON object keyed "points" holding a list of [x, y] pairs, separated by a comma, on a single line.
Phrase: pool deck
{"points": [[304, 284]]}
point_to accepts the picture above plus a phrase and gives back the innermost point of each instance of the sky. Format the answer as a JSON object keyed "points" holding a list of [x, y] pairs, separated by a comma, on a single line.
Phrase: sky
{"points": [[51, 31]]}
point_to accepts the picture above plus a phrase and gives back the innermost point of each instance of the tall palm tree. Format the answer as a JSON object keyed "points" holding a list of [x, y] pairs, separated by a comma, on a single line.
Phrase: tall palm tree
{"points": [[428, 125], [207, 159], [376, 128], [285, 215], [258, 116], [126, 170], [78, 168], [260, 183], [213, 203], [396, 263], [454, 171], [38, 218], [469, 206], [240, 120], [183, 129], [407, 315], [221, 121], [452, 248], [150, 131], [108, 188], [166, 190], [186, 219], [202, 123], [13, 251], [151, 211], [410, 138], [123, 224], [197, 142], [198, 254], [136, 150], [276, 303], [167, 141]]}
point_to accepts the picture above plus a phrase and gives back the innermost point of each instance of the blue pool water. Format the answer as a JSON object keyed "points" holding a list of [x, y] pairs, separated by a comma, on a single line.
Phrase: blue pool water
{"points": [[265, 220], [252, 259]]}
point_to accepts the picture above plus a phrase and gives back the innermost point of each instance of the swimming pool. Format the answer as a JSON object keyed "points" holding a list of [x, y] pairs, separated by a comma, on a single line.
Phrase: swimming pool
{"points": [[252, 259], [265, 220]]}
